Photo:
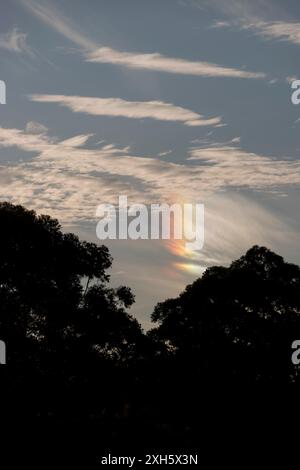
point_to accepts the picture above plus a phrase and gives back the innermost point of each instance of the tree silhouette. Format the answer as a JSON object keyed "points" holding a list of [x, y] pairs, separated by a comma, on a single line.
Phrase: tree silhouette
{"points": [[236, 323], [77, 360], [66, 331]]}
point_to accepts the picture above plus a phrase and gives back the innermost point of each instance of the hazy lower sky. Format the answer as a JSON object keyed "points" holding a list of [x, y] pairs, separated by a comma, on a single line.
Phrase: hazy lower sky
{"points": [[162, 101]]}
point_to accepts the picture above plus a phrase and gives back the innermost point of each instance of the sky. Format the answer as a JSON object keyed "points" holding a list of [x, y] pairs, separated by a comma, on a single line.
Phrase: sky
{"points": [[183, 101]]}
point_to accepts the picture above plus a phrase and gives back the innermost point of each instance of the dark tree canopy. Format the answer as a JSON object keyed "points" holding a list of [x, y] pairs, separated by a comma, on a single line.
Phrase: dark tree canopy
{"points": [[79, 366], [237, 322], [54, 298]]}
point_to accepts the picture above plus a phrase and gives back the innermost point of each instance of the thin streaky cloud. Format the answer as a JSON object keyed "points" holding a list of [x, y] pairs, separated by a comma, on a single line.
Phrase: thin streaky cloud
{"points": [[246, 10], [160, 63], [288, 31], [118, 107], [55, 20], [266, 18], [94, 52], [278, 30]]}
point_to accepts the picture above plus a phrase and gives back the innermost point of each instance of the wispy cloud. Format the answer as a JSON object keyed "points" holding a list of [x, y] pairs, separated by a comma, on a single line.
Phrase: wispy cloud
{"points": [[266, 18], [160, 63], [278, 30], [234, 222], [55, 20], [246, 10], [288, 31], [69, 180], [94, 52], [14, 41], [158, 110]]}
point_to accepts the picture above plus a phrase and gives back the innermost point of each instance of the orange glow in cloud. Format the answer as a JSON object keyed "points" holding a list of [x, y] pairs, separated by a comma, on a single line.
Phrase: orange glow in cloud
{"points": [[191, 268], [188, 264], [179, 249]]}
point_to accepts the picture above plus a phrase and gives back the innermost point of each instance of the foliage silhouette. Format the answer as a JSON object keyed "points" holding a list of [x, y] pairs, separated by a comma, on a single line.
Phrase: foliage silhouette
{"points": [[77, 360], [236, 323], [62, 324]]}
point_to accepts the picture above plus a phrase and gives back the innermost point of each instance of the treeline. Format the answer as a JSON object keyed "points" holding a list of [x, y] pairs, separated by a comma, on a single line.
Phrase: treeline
{"points": [[80, 365]]}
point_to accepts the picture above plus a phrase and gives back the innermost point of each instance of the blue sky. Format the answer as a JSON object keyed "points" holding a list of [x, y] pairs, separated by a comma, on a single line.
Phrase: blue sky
{"points": [[184, 100]]}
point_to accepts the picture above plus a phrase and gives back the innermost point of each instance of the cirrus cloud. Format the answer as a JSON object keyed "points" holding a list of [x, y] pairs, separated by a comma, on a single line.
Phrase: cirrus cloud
{"points": [[160, 63], [98, 53], [118, 107], [69, 180]]}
